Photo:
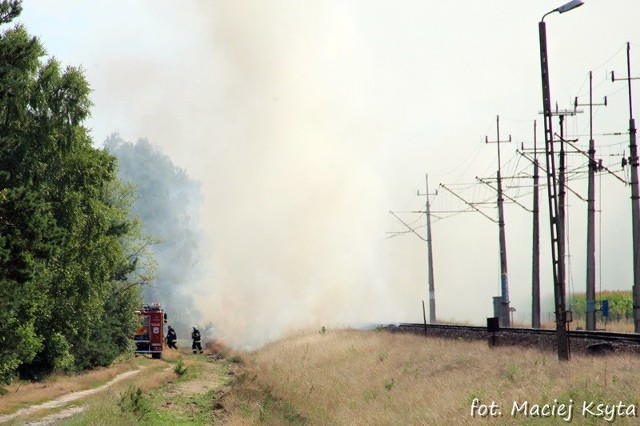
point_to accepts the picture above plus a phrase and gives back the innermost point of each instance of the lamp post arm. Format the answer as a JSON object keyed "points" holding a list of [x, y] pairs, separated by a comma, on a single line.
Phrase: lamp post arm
{"points": [[548, 13]]}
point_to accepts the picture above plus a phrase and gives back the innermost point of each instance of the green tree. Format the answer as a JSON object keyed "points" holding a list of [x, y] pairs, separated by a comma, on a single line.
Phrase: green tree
{"points": [[69, 249], [26, 220], [168, 203], [9, 10], [620, 304]]}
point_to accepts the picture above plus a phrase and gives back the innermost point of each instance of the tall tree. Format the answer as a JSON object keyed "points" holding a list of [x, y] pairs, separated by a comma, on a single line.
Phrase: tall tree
{"points": [[67, 240], [168, 203], [9, 9], [25, 218]]}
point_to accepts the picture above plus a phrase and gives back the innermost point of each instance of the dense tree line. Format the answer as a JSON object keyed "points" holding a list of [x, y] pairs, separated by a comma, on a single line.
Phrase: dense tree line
{"points": [[71, 257], [620, 305], [168, 202]]}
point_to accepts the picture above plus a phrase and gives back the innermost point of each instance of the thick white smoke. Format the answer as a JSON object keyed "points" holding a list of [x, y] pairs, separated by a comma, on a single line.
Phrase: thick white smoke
{"points": [[307, 121]]}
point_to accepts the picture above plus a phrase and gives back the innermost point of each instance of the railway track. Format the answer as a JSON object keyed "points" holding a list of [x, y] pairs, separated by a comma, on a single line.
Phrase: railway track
{"points": [[582, 341]]}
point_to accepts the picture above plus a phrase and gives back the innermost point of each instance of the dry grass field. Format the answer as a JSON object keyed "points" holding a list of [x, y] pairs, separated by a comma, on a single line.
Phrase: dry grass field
{"points": [[348, 377]]}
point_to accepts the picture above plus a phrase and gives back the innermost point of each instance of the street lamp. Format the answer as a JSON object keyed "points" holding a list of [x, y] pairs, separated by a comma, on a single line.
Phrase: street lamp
{"points": [[557, 226], [565, 7], [571, 5]]}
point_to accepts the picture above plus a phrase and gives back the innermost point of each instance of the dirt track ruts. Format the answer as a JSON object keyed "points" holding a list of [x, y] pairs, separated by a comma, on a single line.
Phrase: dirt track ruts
{"points": [[58, 402]]}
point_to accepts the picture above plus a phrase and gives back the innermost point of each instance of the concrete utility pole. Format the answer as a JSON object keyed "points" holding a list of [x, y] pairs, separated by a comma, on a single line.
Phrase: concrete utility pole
{"points": [[591, 213], [535, 267], [432, 297], [562, 179], [562, 196], [535, 238], [535, 258], [562, 191], [432, 294], [505, 317], [635, 206], [498, 299]]}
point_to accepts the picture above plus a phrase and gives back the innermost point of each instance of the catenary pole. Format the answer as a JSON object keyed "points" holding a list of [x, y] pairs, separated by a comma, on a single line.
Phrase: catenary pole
{"points": [[432, 293], [535, 258], [505, 317], [590, 323], [635, 206]]}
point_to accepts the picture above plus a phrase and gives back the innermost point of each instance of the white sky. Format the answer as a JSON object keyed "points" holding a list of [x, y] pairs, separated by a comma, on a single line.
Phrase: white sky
{"points": [[308, 121]]}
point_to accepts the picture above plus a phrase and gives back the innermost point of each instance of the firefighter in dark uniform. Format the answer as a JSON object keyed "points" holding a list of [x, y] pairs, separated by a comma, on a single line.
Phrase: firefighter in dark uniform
{"points": [[195, 336], [171, 338]]}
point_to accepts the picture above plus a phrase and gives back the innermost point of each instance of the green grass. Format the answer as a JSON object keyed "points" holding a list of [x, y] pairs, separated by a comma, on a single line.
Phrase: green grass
{"points": [[150, 409], [181, 409], [164, 405], [147, 408]]}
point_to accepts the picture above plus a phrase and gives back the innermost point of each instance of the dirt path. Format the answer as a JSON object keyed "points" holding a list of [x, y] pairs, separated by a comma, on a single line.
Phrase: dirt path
{"points": [[213, 375], [195, 396], [58, 402]]}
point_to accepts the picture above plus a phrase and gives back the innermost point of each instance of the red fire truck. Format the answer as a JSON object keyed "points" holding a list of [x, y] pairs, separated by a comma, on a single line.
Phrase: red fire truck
{"points": [[150, 335]]}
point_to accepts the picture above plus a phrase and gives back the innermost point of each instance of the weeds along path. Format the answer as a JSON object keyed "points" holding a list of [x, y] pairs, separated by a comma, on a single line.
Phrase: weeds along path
{"points": [[65, 399]]}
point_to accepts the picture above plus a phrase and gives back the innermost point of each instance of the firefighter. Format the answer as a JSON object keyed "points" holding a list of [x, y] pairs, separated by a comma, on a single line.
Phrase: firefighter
{"points": [[171, 338], [195, 336]]}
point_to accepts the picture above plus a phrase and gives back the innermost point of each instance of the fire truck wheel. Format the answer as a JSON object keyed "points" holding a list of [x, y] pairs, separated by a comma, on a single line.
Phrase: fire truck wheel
{"points": [[155, 356]]}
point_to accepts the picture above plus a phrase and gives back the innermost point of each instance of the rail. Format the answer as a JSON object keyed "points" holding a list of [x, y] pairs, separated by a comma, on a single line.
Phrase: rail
{"points": [[581, 340]]}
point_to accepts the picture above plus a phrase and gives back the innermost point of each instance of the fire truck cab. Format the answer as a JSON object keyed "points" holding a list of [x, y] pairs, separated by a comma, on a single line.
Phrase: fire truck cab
{"points": [[150, 335]]}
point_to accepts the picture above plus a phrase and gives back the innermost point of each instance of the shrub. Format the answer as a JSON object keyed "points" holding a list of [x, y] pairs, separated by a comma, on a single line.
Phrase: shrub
{"points": [[133, 401], [180, 368]]}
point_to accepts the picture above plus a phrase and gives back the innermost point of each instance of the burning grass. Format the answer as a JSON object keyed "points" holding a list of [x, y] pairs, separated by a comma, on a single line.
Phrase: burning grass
{"points": [[375, 377]]}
